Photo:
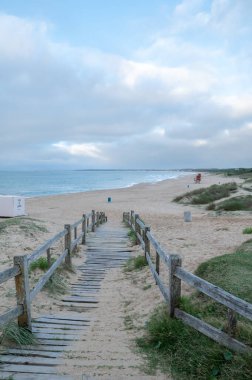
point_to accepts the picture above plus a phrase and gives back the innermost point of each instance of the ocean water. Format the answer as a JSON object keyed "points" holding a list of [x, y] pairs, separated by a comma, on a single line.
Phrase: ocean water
{"points": [[43, 183]]}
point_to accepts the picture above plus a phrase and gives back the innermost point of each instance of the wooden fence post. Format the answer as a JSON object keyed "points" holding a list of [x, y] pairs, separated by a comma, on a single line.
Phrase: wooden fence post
{"points": [[49, 258], [68, 243], [97, 219], [131, 218], [84, 229], [146, 241], [127, 218], [137, 228], [157, 264], [232, 323], [93, 221], [23, 291], [174, 284]]}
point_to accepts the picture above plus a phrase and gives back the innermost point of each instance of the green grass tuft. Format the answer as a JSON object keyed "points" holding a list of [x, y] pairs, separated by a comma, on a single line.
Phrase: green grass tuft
{"points": [[56, 284], [132, 236], [40, 263], [247, 230], [11, 332], [135, 263]]}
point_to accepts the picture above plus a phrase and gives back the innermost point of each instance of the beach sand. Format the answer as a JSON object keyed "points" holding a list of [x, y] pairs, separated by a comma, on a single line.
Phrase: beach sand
{"points": [[208, 235]]}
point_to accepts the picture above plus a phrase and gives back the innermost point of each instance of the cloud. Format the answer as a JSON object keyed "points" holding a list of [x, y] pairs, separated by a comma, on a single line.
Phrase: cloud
{"points": [[86, 150], [182, 100]]}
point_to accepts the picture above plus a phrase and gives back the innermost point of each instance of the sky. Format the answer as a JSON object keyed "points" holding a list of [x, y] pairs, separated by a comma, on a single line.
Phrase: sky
{"points": [[88, 84]]}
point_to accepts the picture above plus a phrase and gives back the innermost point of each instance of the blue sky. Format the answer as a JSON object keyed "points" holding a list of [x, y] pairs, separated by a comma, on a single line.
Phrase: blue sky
{"points": [[125, 84]]}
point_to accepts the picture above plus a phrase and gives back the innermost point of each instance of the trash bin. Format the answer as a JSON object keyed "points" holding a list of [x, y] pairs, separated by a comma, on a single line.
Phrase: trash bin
{"points": [[109, 199], [187, 216]]}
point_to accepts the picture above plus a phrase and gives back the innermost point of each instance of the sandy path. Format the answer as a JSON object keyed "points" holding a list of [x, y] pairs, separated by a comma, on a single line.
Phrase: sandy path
{"points": [[208, 235]]}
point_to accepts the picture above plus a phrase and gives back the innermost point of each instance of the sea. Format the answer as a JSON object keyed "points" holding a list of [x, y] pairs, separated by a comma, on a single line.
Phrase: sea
{"points": [[43, 183]]}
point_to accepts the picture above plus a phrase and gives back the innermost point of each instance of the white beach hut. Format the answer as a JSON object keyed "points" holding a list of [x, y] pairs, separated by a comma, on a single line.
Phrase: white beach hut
{"points": [[11, 205]]}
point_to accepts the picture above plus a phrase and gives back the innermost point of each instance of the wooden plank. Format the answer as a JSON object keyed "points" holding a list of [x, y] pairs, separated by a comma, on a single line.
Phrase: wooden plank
{"points": [[240, 306], [28, 376], [140, 223], [80, 299], [11, 314], [40, 348], [158, 279], [163, 255], [76, 224], [76, 241], [141, 241], [38, 252], [47, 275], [24, 352], [61, 326], [55, 343], [68, 317], [55, 336], [80, 306], [35, 369], [9, 273], [33, 360], [60, 332], [213, 333]]}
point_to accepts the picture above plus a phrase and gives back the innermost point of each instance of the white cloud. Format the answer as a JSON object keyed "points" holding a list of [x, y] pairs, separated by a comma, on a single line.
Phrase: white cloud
{"points": [[86, 150]]}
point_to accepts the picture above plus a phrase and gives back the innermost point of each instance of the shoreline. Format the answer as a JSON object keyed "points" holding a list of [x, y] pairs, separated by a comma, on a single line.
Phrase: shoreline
{"points": [[53, 183], [208, 235]]}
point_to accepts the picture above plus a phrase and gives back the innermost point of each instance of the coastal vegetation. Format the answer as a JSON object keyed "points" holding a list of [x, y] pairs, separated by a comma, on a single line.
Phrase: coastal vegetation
{"points": [[12, 333], [132, 237], [207, 195], [135, 263], [247, 230], [242, 203], [175, 348], [57, 283], [24, 224]]}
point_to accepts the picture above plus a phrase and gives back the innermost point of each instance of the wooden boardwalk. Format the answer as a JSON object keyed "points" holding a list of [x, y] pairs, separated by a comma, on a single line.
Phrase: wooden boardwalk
{"points": [[106, 248]]}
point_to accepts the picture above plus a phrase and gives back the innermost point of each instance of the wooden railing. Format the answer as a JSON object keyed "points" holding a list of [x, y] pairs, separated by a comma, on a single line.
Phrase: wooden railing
{"points": [[20, 269], [171, 290]]}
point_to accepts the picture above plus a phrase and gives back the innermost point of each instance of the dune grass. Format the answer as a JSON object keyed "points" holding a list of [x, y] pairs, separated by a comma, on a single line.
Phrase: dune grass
{"points": [[207, 195], [175, 348], [24, 224], [12, 333], [132, 236], [135, 263], [242, 203], [247, 230]]}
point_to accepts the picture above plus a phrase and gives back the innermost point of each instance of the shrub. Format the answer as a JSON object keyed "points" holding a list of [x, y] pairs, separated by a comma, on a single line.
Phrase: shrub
{"points": [[207, 195], [243, 203], [211, 206]]}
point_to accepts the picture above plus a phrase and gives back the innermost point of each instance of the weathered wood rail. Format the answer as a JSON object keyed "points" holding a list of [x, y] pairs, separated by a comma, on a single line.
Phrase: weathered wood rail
{"points": [[20, 269], [172, 291]]}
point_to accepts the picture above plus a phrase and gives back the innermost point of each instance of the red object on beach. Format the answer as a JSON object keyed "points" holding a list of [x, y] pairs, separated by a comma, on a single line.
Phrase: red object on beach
{"points": [[197, 179]]}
